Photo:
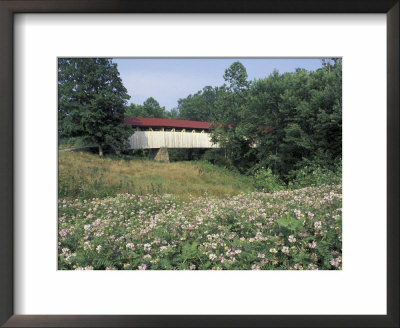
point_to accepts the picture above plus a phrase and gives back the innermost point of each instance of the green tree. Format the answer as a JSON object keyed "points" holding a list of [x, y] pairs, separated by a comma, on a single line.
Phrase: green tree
{"points": [[91, 102], [201, 106], [232, 133], [236, 77], [134, 110], [150, 108], [304, 113], [173, 113]]}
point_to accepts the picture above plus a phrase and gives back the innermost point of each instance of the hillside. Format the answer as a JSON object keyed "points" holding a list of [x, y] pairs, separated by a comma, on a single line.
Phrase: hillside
{"points": [[85, 175]]}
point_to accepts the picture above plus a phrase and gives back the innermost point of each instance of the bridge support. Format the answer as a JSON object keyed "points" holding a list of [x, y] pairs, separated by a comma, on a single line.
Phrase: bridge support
{"points": [[159, 154]]}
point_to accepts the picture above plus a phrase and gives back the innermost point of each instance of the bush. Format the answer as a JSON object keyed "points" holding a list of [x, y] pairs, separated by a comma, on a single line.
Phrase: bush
{"points": [[266, 181], [316, 176], [215, 156]]}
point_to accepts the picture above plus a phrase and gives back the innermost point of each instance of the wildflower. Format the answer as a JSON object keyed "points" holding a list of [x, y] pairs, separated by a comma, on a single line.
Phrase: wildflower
{"points": [[87, 245], [65, 250], [142, 267], [212, 257], [312, 245], [130, 246], [335, 262], [192, 267], [255, 267], [292, 239], [285, 250], [99, 233], [273, 250], [318, 225], [63, 233], [303, 234], [98, 248], [230, 254], [297, 266], [147, 256], [261, 256]]}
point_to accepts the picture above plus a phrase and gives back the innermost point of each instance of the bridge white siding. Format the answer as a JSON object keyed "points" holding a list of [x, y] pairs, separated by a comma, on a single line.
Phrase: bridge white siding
{"points": [[168, 139]]}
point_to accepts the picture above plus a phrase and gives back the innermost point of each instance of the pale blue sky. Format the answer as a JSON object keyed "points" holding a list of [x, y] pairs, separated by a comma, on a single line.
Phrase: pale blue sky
{"points": [[167, 80]]}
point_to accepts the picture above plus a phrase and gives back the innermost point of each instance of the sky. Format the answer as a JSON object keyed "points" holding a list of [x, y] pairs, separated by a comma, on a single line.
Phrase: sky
{"points": [[168, 79]]}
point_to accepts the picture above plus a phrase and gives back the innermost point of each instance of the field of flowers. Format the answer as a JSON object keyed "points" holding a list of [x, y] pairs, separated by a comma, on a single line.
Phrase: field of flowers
{"points": [[285, 230]]}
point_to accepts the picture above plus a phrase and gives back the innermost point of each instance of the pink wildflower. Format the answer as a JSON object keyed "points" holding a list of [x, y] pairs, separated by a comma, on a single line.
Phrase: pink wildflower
{"points": [[142, 267]]}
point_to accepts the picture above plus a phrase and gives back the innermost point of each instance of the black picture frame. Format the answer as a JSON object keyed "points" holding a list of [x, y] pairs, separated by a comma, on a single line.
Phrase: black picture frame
{"points": [[10, 7]]}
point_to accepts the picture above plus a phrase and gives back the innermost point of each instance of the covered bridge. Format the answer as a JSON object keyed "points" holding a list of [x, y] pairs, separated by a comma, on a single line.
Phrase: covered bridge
{"points": [[159, 134]]}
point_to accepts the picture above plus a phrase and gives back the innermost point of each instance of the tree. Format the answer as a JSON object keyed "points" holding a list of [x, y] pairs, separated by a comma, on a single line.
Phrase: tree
{"points": [[304, 113], [150, 108], [236, 76], [233, 134], [201, 106], [91, 102], [173, 113]]}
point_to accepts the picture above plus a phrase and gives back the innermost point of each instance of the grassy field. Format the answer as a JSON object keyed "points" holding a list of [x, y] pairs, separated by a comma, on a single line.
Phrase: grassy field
{"points": [[85, 175]]}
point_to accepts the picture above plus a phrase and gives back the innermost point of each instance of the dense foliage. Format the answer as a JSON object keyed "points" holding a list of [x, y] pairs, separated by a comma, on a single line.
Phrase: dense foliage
{"points": [[293, 230], [294, 119], [91, 102], [150, 108]]}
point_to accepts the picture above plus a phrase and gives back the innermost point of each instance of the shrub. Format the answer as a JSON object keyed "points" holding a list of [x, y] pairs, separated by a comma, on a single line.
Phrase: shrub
{"points": [[216, 157], [316, 176], [266, 181]]}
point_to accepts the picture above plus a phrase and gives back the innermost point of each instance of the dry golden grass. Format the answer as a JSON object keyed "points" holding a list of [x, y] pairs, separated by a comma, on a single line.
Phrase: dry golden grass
{"points": [[87, 175]]}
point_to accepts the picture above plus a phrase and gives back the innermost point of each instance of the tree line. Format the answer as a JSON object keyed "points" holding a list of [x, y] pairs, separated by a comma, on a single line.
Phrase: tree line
{"points": [[294, 119]]}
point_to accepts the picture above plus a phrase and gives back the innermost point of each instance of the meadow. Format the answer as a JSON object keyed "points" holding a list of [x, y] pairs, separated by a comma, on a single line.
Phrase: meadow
{"points": [[85, 175], [221, 223]]}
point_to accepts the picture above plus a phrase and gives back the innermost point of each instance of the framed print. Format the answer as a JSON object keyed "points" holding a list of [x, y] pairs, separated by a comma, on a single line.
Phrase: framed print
{"points": [[45, 278]]}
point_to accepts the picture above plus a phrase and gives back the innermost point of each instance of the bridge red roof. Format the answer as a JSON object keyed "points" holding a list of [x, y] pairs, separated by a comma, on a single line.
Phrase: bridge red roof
{"points": [[167, 123]]}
